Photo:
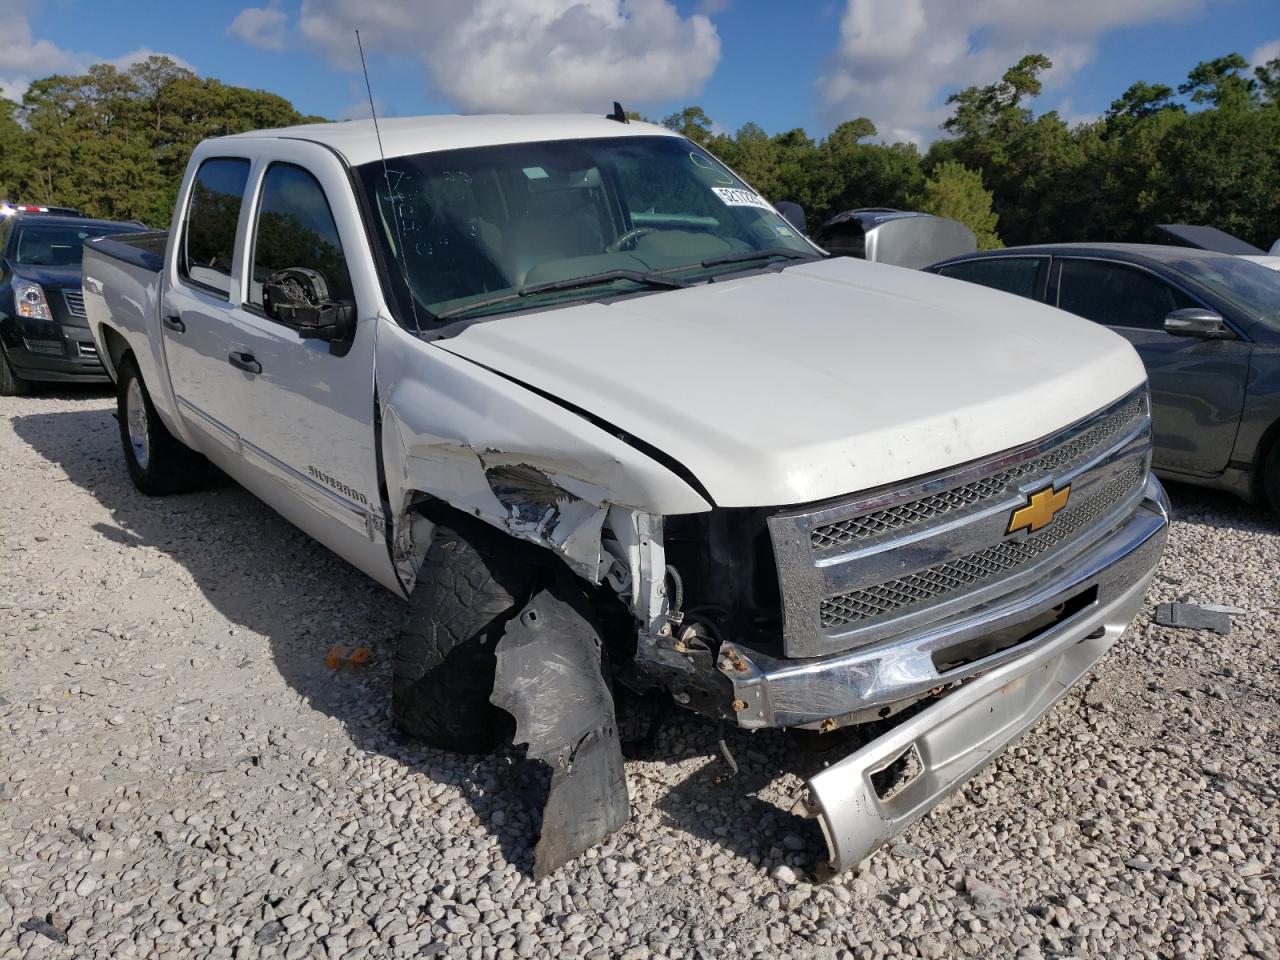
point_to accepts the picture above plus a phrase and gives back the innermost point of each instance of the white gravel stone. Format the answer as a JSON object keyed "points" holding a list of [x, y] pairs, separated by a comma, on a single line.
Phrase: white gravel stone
{"points": [[183, 777]]}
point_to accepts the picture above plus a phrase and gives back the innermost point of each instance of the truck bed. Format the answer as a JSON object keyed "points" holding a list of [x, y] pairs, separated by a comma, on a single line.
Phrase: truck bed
{"points": [[121, 282], [144, 250]]}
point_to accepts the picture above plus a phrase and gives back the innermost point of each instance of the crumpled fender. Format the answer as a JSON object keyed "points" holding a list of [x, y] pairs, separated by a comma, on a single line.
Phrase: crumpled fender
{"points": [[550, 677]]}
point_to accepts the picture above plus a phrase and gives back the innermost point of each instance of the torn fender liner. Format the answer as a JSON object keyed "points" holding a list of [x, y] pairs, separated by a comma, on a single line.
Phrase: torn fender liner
{"points": [[550, 678]]}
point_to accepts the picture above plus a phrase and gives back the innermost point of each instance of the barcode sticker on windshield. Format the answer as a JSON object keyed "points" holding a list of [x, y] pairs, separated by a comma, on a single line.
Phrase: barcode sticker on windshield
{"points": [[734, 197]]}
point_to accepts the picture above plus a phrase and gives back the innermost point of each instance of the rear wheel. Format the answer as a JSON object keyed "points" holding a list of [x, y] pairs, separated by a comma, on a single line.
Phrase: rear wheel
{"points": [[157, 462], [12, 385]]}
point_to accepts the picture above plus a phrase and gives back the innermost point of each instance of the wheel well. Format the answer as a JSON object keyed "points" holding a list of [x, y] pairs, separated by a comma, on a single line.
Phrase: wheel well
{"points": [[117, 349]]}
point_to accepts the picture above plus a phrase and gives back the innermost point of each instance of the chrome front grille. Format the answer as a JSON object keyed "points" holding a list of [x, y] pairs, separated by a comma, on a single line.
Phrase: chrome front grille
{"points": [[74, 300], [896, 595], [879, 522], [875, 566]]}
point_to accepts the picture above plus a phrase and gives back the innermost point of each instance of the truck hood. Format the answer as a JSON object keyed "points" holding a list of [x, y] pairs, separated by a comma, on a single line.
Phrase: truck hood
{"points": [[823, 379]]}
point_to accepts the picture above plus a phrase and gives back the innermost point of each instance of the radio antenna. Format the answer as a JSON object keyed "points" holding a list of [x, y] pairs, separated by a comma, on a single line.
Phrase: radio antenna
{"points": [[392, 198]]}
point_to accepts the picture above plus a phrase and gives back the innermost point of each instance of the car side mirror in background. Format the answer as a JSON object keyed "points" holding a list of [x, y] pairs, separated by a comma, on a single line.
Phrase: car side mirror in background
{"points": [[1197, 322], [793, 213], [299, 297]]}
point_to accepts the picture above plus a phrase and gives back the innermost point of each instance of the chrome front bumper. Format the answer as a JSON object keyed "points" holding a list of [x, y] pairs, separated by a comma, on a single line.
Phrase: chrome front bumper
{"points": [[876, 681], [945, 744]]}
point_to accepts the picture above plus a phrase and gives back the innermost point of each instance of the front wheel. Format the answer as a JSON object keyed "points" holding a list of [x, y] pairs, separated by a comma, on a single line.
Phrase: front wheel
{"points": [[473, 581], [12, 385], [157, 462]]}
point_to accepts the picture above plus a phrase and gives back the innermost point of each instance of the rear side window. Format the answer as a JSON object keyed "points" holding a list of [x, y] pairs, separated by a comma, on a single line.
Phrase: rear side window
{"points": [[1017, 275], [210, 232], [295, 229], [1117, 295]]}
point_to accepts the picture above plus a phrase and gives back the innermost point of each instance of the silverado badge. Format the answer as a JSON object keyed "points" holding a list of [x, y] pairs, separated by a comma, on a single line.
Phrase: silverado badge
{"points": [[1042, 506]]}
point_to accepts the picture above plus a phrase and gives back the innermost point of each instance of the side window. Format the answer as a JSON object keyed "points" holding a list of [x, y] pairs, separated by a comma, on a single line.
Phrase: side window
{"points": [[1117, 295], [1018, 275], [295, 228], [210, 228], [6, 225]]}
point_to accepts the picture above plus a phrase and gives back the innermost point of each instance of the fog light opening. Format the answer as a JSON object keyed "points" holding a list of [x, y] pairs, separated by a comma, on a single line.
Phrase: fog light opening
{"points": [[896, 775]]}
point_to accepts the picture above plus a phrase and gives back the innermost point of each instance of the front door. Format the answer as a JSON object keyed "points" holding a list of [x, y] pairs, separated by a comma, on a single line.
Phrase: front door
{"points": [[304, 410], [1197, 386]]}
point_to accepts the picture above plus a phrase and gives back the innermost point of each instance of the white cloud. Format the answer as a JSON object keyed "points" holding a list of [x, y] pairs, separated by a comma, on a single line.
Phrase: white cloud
{"points": [[261, 27], [1265, 53], [526, 56], [27, 58], [896, 62]]}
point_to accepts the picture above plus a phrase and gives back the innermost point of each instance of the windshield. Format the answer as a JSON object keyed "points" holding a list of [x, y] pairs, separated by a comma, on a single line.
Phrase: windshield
{"points": [[58, 244], [1250, 285], [477, 230]]}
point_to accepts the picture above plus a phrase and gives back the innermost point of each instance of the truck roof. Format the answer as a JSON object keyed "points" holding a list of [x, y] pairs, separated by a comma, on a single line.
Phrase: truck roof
{"points": [[357, 142]]}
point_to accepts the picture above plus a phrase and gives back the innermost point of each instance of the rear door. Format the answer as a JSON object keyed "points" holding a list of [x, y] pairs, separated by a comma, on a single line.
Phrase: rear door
{"points": [[1023, 276], [197, 300], [304, 412], [1197, 385]]}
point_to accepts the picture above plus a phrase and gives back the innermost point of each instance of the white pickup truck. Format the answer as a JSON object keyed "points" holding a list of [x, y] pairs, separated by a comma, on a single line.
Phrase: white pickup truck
{"points": [[596, 414]]}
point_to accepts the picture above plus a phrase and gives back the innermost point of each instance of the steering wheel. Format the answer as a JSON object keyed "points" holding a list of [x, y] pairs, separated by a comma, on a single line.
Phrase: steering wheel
{"points": [[630, 237]]}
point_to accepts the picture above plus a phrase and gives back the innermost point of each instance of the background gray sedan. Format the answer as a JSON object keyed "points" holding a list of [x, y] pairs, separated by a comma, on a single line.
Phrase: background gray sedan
{"points": [[1207, 326]]}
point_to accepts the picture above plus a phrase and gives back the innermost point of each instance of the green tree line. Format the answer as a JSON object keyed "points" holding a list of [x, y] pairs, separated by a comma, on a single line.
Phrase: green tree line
{"points": [[1207, 153], [114, 143]]}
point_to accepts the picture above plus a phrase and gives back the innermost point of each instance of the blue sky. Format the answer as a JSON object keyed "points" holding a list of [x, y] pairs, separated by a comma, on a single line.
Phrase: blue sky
{"points": [[819, 62]]}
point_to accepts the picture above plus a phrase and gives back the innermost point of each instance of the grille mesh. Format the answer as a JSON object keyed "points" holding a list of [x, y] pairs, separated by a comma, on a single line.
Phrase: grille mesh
{"points": [[956, 575], [75, 303], [844, 532]]}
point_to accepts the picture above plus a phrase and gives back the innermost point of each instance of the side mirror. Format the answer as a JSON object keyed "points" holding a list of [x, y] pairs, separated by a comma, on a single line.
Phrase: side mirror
{"points": [[793, 213], [1197, 322], [299, 297]]}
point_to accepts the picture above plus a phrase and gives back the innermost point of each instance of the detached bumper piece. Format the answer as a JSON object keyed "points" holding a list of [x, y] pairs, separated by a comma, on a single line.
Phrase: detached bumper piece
{"points": [[869, 797], [550, 678]]}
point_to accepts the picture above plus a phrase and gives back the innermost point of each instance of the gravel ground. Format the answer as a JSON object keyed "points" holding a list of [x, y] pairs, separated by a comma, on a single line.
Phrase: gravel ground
{"points": [[182, 776]]}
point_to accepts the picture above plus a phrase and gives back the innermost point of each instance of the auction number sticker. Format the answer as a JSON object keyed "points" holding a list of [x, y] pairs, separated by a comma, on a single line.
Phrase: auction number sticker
{"points": [[735, 197]]}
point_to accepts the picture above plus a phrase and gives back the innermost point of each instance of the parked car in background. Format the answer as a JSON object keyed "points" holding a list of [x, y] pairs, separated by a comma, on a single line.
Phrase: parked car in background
{"points": [[8, 209], [43, 331], [1207, 326], [1202, 237], [899, 237]]}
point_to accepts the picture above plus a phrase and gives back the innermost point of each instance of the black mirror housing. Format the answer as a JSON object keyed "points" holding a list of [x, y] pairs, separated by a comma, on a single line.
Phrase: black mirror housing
{"points": [[299, 298], [1197, 322]]}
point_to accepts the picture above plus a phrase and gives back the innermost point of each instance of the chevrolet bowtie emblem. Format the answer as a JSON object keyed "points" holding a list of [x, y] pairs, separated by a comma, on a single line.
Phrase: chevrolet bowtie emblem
{"points": [[1042, 506]]}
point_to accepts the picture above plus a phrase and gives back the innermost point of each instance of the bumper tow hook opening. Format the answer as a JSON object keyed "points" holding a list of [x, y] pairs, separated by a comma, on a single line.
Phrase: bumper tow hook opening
{"points": [[896, 775]]}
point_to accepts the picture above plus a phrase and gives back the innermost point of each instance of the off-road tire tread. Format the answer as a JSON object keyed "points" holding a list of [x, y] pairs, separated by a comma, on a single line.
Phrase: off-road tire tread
{"points": [[473, 581], [174, 467]]}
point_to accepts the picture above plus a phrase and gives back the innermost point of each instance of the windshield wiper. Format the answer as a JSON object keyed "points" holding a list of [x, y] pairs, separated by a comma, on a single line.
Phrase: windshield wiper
{"points": [[747, 255], [570, 283]]}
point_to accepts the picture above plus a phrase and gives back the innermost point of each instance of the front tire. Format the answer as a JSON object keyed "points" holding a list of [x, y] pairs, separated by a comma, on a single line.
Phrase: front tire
{"points": [[12, 385], [473, 581], [157, 462]]}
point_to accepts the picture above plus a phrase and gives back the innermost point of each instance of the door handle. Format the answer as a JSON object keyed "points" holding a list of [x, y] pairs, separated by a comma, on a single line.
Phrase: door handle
{"points": [[175, 324], [244, 361]]}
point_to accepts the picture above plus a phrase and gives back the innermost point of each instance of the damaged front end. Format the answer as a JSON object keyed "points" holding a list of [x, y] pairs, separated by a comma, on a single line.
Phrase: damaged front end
{"points": [[551, 678]]}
